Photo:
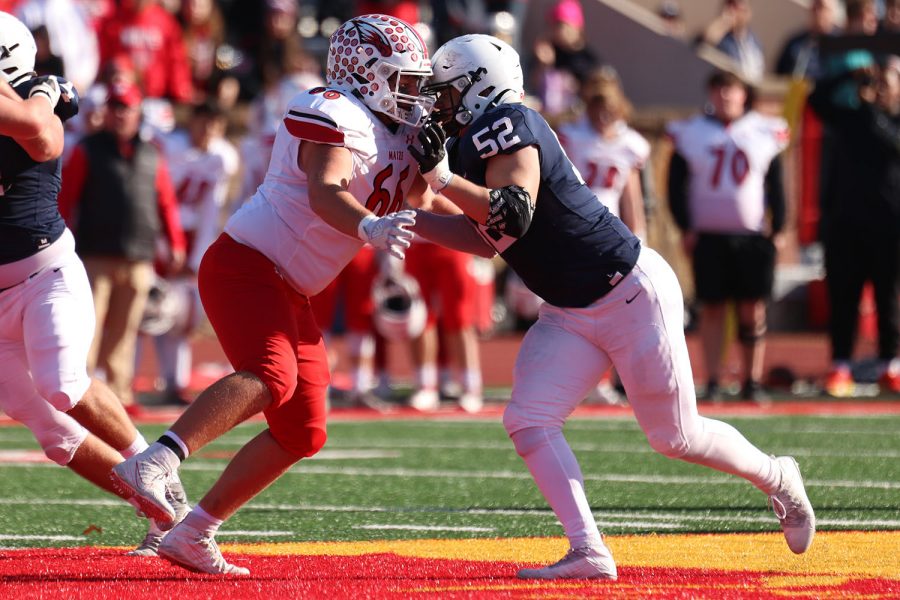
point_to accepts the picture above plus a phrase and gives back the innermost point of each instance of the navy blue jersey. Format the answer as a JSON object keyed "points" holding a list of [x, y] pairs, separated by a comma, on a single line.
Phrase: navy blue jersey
{"points": [[575, 250], [29, 217]]}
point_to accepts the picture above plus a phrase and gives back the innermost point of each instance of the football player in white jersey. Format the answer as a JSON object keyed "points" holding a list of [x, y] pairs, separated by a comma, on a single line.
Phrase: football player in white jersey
{"points": [[607, 152], [46, 309], [340, 172], [608, 300], [202, 165], [727, 196]]}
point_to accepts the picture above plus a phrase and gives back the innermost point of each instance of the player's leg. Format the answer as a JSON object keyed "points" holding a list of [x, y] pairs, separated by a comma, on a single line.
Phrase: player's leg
{"points": [[358, 277], [655, 369], [296, 430], [756, 264], [845, 276], [711, 274], [885, 280], [424, 349], [752, 323], [554, 370]]}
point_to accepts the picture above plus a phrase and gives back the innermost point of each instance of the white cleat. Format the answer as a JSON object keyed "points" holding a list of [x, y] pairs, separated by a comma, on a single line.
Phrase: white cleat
{"points": [[146, 482], [471, 403], [177, 498], [578, 563], [792, 507], [192, 549], [425, 400]]}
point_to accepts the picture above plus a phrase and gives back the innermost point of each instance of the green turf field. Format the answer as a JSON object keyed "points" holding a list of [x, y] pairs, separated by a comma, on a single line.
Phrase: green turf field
{"points": [[383, 479]]}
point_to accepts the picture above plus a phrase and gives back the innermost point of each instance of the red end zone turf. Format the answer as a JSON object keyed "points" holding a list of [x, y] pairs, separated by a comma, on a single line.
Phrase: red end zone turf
{"points": [[106, 573]]}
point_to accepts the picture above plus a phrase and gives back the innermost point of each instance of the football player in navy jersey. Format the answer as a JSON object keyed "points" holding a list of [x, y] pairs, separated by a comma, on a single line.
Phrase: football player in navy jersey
{"points": [[608, 300], [46, 310]]}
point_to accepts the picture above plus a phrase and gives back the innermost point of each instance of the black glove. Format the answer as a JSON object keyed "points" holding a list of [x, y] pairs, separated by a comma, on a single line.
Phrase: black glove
{"points": [[432, 139], [432, 158]]}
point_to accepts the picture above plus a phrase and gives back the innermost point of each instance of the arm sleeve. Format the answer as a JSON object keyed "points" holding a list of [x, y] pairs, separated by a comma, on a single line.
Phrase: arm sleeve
{"points": [[774, 193], [168, 207], [679, 177], [74, 173]]}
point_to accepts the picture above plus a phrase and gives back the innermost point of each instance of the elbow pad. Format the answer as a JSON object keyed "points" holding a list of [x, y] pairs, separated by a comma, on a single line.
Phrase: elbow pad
{"points": [[510, 211]]}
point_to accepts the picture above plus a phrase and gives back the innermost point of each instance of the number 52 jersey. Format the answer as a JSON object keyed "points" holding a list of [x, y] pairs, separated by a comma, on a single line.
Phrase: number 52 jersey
{"points": [[728, 165], [278, 220]]}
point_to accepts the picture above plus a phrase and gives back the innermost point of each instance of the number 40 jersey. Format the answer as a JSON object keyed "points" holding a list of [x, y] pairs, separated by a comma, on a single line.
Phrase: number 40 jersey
{"points": [[728, 165], [278, 220]]}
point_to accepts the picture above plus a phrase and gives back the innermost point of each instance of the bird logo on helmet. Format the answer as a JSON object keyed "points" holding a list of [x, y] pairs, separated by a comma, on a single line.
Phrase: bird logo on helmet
{"points": [[400, 312], [368, 55], [17, 50]]}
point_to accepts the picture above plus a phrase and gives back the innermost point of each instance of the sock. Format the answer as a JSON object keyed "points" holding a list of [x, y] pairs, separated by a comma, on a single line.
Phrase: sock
{"points": [[556, 472], [163, 456], [427, 377], [202, 521], [138, 445], [174, 443], [472, 381]]}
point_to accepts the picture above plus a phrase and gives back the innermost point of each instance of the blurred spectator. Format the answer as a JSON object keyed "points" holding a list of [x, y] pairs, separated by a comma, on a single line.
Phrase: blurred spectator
{"points": [[204, 36], [449, 290], [70, 34], [891, 21], [152, 39], [607, 152], [562, 60], [118, 198], [407, 10], [45, 61], [202, 165], [724, 176], [800, 56], [670, 12], [860, 225], [730, 33]]}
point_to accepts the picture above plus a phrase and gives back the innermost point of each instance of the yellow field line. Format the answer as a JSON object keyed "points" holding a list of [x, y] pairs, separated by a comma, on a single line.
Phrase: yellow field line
{"points": [[873, 554]]}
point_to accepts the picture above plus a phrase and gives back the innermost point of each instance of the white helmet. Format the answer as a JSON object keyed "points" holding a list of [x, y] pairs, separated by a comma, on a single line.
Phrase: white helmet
{"points": [[17, 50], [400, 312], [485, 70], [367, 55]]}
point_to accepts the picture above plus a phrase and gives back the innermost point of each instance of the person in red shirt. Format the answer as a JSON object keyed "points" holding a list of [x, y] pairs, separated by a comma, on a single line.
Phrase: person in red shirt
{"points": [[152, 38], [118, 198]]}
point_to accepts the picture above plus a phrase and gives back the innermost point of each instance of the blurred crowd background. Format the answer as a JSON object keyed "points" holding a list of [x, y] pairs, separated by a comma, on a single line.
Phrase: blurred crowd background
{"points": [[205, 83]]}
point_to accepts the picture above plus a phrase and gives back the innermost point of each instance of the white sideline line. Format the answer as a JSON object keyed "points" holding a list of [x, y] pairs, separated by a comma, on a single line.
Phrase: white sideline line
{"points": [[655, 519], [209, 467], [248, 533], [43, 538], [425, 528]]}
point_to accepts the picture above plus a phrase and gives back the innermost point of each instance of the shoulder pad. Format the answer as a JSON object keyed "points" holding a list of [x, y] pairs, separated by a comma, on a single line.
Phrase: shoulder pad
{"points": [[325, 116]]}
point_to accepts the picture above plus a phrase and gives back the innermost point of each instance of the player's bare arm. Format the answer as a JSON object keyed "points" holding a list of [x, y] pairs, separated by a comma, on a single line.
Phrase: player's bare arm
{"points": [[31, 123], [631, 205], [328, 169]]}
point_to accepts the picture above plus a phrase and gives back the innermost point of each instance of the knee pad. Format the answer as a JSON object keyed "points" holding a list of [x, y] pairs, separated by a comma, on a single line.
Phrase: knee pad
{"points": [[302, 442], [528, 440], [517, 417], [63, 395], [668, 444]]}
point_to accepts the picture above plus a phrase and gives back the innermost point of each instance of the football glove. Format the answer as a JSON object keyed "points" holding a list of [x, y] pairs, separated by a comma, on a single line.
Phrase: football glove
{"points": [[62, 94], [389, 233], [432, 157]]}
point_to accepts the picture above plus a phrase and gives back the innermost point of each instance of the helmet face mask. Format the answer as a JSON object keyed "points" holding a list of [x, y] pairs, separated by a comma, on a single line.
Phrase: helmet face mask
{"points": [[484, 72], [17, 50], [375, 57]]}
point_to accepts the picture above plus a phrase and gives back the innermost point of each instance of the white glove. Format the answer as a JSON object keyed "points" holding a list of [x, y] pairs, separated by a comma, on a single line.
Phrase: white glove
{"points": [[389, 232], [48, 88]]}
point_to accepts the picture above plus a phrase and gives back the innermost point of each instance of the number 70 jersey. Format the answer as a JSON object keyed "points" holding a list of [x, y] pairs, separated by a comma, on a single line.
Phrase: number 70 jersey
{"points": [[278, 220], [728, 166]]}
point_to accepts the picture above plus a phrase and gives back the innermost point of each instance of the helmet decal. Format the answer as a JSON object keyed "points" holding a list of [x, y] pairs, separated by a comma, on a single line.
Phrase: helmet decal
{"points": [[368, 34]]}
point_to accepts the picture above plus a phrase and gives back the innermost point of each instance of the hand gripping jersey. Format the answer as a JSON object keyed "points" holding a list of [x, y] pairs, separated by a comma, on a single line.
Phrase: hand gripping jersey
{"points": [[201, 179], [575, 250], [278, 220], [29, 217], [728, 165], [604, 163]]}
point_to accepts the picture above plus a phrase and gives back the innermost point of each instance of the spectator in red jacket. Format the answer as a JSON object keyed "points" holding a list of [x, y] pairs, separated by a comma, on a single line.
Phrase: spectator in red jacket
{"points": [[152, 38], [118, 198]]}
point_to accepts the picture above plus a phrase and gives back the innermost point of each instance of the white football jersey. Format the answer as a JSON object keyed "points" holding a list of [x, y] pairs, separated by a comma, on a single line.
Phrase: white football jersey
{"points": [[278, 220], [604, 164], [201, 180], [728, 165]]}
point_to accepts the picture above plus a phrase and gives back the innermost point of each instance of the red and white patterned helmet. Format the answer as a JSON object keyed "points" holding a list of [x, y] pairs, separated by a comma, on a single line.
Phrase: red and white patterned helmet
{"points": [[368, 54]]}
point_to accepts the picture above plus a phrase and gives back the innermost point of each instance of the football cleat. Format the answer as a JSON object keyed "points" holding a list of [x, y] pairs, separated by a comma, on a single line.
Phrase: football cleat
{"points": [[150, 544], [578, 563], [194, 550], [146, 482], [425, 400], [792, 507], [471, 403], [839, 383], [889, 382], [177, 498]]}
